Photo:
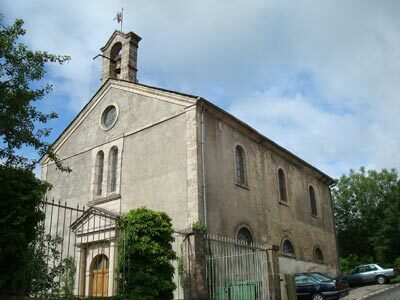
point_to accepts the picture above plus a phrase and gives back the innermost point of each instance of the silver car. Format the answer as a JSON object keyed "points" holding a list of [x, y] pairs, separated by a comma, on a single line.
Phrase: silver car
{"points": [[370, 273]]}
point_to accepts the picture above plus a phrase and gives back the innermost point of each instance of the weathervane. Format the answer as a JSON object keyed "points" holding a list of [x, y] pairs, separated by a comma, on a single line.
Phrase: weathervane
{"points": [[120, 17]]}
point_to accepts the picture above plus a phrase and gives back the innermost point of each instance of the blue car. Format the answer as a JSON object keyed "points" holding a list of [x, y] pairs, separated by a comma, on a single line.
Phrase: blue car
{"points": [[317, 286]]}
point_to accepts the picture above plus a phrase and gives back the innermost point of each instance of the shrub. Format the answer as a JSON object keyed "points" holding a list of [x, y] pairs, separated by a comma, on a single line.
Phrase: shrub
{"points": [[396, 263], [347, 264], [145, 255]]}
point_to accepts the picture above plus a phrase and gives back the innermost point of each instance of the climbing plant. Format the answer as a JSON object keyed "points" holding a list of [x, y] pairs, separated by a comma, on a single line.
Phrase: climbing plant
{"points": [[145, 255]]}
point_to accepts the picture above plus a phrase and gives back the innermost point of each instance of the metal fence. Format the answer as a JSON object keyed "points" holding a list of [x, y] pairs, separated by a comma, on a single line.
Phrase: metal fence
{"points": [[235, 270], [52, 266], [73, 253], [77, 254], [78, 249]]}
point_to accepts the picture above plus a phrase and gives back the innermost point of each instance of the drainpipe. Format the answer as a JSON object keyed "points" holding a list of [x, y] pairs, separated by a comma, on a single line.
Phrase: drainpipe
{"points": [[334, 228], [203, 175]]}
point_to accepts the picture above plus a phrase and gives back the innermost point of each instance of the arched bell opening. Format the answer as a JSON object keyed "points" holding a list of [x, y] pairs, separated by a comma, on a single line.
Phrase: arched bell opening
{"points": [[115, 65]]}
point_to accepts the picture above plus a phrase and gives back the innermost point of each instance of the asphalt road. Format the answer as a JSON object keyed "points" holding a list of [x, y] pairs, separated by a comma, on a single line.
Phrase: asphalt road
{"points": [[391, 294], [372, 290]]}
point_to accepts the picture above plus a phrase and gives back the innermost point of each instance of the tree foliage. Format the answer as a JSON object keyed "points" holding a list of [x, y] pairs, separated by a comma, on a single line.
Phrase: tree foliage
{"points": [[44, 266], [30, 260], [146, 254], [367, 205], [21, 71], [22, 267], [21, 193]]}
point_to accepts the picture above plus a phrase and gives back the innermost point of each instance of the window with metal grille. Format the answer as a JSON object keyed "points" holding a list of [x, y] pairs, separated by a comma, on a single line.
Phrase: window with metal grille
{"points": [[240, 165], [318, 256], [282, 186], [313, 202], [244, 235], [287, 248]]}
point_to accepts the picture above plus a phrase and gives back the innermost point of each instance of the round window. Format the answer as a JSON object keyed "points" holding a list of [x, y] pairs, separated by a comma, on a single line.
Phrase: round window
{"points": [[109, 116]]}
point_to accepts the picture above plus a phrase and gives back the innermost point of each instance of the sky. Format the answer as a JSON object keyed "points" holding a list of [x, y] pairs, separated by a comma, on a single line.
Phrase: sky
{"points": [[320, 78]]}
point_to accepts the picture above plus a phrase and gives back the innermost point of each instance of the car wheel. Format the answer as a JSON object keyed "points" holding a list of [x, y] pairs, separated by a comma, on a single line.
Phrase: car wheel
{"points": [[381, 279], [317, 297]]}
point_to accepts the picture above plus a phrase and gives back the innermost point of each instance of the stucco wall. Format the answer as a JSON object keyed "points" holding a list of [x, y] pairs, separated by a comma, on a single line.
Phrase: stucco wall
{"points": [[256, 206], [135, 111], [154, 170], [157, 161], [151, 139]]}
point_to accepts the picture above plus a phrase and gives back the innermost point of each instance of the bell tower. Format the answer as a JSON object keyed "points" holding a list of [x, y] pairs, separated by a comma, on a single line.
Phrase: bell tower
{"points": [[120, 56]]}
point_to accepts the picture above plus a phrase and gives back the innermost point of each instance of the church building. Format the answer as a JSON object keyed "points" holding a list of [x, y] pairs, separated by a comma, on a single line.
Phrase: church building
{"points": [[135, 145]]}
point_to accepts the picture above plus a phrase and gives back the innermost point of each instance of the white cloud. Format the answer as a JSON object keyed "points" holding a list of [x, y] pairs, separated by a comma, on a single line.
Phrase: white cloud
{"points": [[321, 78]]}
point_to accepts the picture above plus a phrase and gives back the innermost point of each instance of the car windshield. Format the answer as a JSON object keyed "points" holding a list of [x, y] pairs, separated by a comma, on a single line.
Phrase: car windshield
{"points": [[321, 277]]}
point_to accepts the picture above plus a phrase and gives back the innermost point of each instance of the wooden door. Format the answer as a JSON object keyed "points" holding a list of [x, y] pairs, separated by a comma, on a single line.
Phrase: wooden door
{"points": [[100, 276]]}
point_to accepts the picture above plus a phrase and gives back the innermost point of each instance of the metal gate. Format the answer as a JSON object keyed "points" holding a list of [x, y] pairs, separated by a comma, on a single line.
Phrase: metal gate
{"points": [[235, 270], [75, 242]]}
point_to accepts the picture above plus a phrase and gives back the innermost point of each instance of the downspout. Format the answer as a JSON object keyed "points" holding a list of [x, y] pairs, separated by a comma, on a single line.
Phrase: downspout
{"points": [[334, 228], [203, 175]]}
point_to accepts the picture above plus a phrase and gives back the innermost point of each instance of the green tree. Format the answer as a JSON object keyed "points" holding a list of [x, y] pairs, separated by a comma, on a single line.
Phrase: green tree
{"points": [[366, 211], [21, 125], [21, 194], [146, 254], [21, 71]]}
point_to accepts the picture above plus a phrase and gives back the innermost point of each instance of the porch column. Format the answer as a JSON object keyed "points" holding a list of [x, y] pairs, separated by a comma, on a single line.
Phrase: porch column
{"points": [[113, 272], [80, 274]]}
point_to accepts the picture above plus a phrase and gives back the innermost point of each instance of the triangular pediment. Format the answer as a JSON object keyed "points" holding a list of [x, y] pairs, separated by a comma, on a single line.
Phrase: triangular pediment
{"points": [[157, 94], [95, 220]]}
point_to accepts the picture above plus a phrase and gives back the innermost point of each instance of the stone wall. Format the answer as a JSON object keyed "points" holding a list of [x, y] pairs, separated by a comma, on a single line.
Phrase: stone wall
{"points": [[256, 205]]}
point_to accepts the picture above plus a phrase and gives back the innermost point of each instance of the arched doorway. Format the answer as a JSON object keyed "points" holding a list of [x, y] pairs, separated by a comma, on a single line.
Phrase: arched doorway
{"points": [[99, 276]]}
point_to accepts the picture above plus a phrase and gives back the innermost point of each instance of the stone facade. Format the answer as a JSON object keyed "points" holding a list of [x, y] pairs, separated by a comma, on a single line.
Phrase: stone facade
{"points": [[176, 153], [120, 56], [256, 205]]}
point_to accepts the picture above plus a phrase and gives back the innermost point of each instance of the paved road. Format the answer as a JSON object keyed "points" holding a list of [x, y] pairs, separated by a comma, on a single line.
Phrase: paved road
{"points": [[391, 294], [364, 292]]}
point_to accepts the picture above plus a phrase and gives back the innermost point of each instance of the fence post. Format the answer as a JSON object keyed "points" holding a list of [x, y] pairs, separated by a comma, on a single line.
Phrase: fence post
{"points": [[273, 273], [195, 266]]}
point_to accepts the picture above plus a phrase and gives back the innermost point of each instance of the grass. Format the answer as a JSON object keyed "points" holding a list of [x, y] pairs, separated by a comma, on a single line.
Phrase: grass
{"points": [[396, 280]]}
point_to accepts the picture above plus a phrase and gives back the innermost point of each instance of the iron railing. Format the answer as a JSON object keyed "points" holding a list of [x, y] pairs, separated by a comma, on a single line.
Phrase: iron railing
{"points": [[235, 270]]}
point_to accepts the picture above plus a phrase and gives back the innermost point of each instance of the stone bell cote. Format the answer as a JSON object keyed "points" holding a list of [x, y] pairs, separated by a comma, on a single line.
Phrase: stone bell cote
{"points": [[120, 56]]}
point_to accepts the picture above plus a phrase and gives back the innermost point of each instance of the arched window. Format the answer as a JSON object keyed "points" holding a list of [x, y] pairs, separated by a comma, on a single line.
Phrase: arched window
{"points": [[313, 202], [99, 166], [318, 256], [287, 248], [282, 186], [112, 169], [240, 165], [244, 235]]}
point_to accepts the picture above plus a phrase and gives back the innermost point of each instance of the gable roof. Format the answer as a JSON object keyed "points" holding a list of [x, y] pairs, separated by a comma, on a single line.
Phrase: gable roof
{"points": [[262, 138], [176, 98], [182, 99]]}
